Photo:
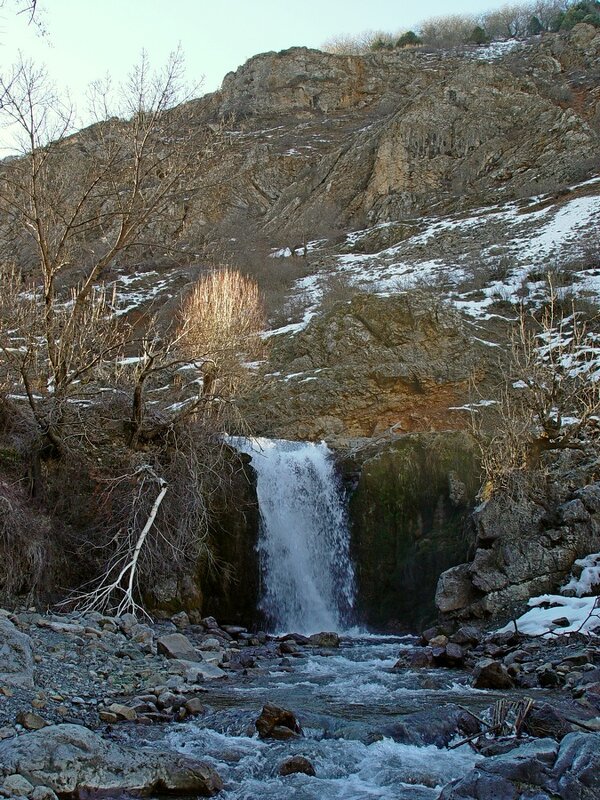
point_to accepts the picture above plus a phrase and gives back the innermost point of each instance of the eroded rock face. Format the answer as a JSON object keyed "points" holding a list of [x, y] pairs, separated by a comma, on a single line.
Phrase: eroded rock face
{"points": [[408, 513], [522, 549], [71, 758], [367, 365]]}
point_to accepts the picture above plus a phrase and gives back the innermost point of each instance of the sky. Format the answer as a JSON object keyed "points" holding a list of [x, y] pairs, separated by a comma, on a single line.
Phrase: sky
{"points": [[85, 39]]}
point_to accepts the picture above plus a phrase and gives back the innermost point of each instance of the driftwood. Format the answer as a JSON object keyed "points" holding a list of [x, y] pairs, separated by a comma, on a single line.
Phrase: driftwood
{"points": [[506, 719]]}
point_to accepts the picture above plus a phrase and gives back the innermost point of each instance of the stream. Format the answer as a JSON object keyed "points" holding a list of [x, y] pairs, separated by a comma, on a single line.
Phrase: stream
{"points": [[351, 705], [370, 731]]}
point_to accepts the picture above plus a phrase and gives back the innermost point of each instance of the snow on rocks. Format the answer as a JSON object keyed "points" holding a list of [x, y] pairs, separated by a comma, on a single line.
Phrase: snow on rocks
{"points": [[555, 615]]}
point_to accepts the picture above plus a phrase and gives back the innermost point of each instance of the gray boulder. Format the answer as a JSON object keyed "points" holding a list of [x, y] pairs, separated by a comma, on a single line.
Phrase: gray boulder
{"points": [[176, 645], [16, 656], [536, 770], [71, 759]]}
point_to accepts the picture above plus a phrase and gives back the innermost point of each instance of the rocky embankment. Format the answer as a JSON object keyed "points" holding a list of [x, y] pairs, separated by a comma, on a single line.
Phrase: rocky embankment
{"points": [[67, 680], [550, 746]]}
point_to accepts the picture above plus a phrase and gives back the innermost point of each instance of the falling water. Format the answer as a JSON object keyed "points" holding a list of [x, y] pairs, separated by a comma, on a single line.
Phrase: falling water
{"points": [[307, 575]]}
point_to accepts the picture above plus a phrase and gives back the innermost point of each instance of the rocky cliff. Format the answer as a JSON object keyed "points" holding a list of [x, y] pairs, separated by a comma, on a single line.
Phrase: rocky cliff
{"points": [[523, 546]]}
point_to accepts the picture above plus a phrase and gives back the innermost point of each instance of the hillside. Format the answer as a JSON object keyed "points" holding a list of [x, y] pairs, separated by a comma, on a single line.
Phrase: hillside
{"points": [[397, 210]]}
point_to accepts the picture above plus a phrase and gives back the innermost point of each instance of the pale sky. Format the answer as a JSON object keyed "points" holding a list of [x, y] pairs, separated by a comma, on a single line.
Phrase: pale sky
{"points": [[87, 38]]}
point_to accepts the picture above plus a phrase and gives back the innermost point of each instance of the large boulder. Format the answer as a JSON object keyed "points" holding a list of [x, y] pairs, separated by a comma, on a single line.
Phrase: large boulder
{"points": [[16, 656], [71, 759], [539, 769]]}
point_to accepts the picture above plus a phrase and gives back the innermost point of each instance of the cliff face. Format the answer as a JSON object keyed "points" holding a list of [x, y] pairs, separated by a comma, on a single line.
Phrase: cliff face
{"points": [[384, 135], [365, 365], [408, 512]]}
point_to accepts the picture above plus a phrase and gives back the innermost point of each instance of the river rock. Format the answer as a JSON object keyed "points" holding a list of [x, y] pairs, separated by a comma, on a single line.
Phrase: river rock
{"points": [[545, 721], [16, 656], [324, 639], [72, 759], [494, 778], [176, 645], [466, 636], [490, 674], [537, 770], [31, 721], [297, 764], [277, 723]]}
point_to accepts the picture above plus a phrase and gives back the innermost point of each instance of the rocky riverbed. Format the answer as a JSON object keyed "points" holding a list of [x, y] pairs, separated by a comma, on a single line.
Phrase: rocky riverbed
{"points": [[91, 703]]}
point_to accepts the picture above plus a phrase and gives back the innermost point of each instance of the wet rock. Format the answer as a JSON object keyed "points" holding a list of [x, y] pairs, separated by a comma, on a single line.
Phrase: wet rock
{"points": [[298, 638], [178, 646], [468, 724], [16, 656], [429, 634], [324, 639], [494, 778], [544, 721], [467, 636], [71, 759], [490, 674], [277, 723], [438, 641], [297, 764], [455, 655], [289, 648], [420, 659], [194, 707]]}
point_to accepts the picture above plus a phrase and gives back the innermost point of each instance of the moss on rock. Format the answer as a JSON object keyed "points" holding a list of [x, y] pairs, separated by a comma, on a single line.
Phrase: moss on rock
{"points": [[408, 513]]}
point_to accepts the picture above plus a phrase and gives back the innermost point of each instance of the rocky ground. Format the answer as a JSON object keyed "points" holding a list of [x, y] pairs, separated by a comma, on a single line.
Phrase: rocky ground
{"points": [[68, 683]]}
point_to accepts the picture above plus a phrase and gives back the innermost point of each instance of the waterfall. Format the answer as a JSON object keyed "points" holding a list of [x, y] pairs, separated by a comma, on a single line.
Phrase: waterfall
{"points": [[307, 575]]}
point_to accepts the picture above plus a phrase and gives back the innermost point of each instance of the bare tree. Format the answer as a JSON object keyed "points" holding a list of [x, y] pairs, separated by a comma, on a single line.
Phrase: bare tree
{"points": [[76, 203]]}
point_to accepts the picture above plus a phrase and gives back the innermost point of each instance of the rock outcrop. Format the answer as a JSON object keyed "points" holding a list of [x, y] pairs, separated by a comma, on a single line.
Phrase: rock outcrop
{"points": [[367, 365], [523, 548], [408, 513]]}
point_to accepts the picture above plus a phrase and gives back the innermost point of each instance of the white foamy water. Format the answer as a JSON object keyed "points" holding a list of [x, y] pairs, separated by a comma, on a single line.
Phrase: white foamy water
{"points": [[307, 574], [350, 706]]}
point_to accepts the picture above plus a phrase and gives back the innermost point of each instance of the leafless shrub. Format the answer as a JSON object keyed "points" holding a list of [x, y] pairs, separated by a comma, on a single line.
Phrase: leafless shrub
{"points": [[549, 399]]}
